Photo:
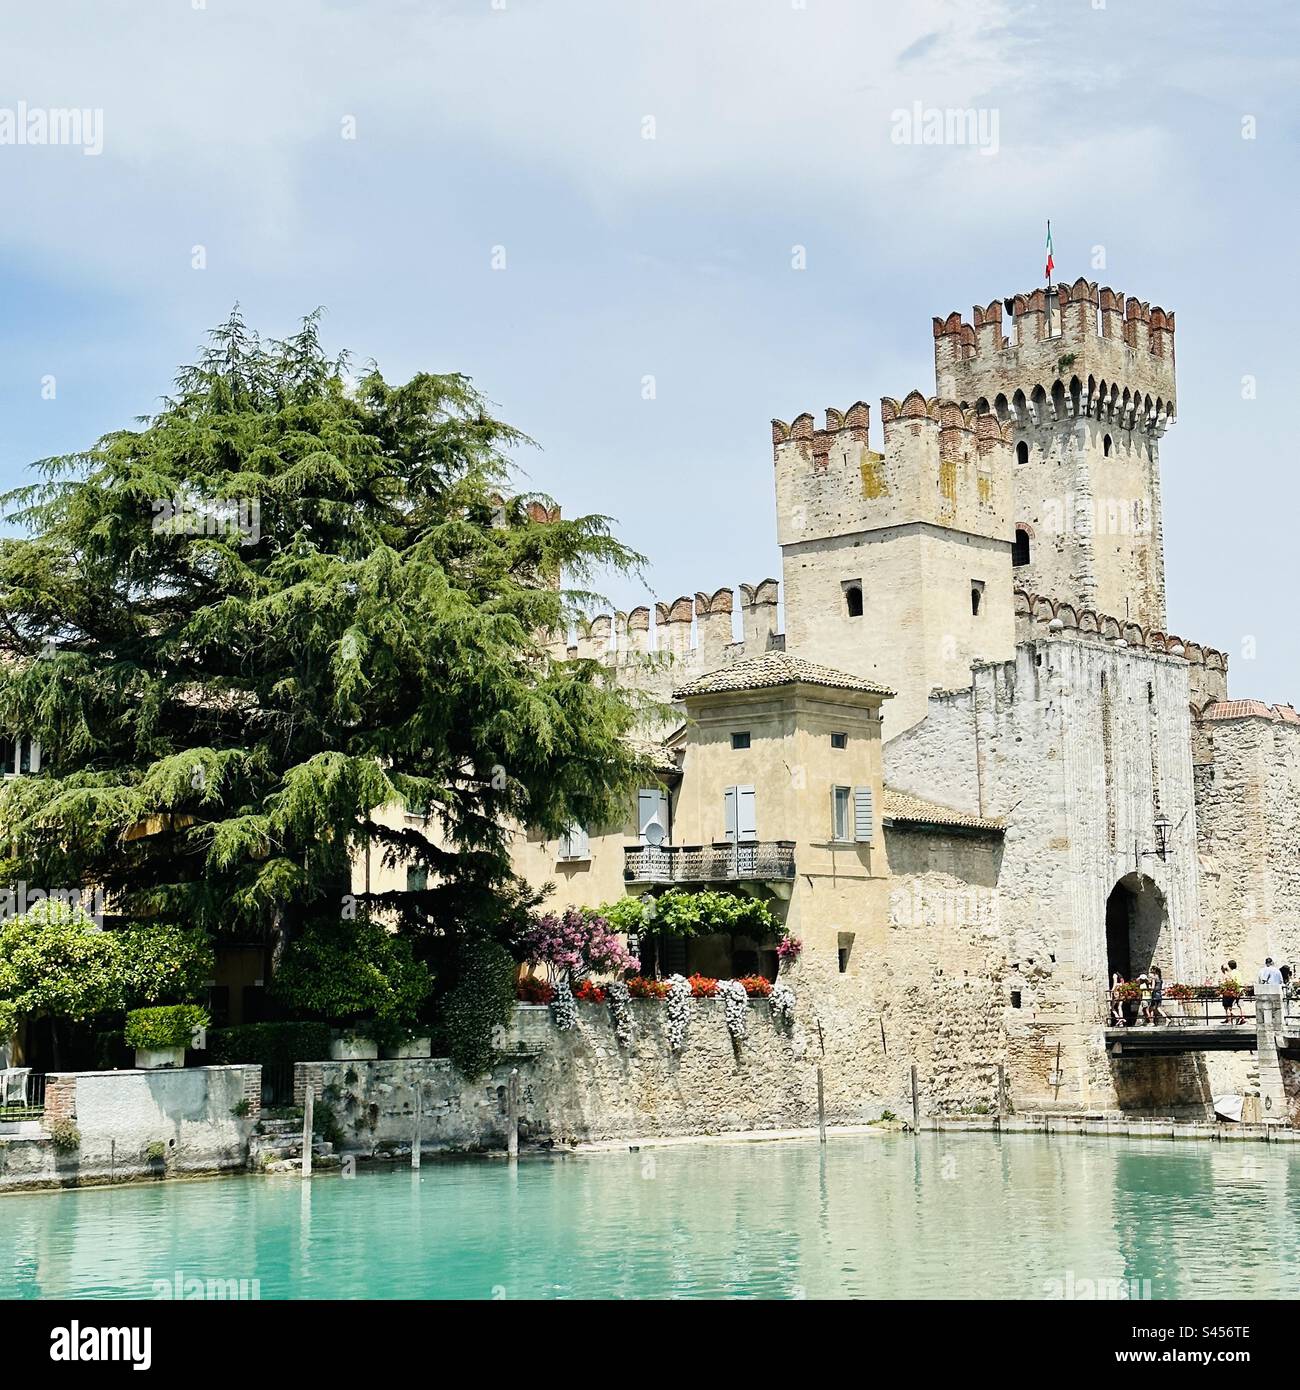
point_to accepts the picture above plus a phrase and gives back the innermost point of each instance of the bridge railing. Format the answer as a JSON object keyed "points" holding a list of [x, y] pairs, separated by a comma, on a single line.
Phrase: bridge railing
{"points": [[1200, 1011]]}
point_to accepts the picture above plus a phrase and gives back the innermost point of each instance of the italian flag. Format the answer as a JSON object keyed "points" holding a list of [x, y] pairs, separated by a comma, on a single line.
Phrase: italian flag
{"points": [[1051, 264]]}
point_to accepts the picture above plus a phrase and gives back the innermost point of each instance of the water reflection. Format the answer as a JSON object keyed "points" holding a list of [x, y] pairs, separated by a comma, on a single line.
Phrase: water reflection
{"points": [[877, 1216]]}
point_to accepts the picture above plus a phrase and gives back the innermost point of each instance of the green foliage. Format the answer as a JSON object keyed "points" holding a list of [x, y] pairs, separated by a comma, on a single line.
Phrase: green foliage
{"points": [[54, 960], [156, 1152], [702, 913], [482, 1001], [169, 1025], [8, 1018], [353, 972], [626, 915], [325, 1123], [232, 694], [65, 1136], [241, 1108], [269, 1044]]}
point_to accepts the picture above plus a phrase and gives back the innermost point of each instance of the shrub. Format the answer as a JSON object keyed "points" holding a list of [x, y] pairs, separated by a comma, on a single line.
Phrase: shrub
{"points": [[269, 1044], [156, 1151], [532, 989], [575, 942], [167, 1025], [325, 1122], [65, 1136], [482, 1001], [353, 972]]}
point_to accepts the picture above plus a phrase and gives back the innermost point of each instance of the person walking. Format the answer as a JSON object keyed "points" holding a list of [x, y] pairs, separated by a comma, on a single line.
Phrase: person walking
{"points": [[1116, 1000], [1158, 1014], [1270, 977], [1230, 993]]}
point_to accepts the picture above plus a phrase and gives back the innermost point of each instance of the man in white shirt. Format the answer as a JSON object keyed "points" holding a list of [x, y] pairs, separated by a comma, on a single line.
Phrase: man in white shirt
{"points": [[1270, 975]]}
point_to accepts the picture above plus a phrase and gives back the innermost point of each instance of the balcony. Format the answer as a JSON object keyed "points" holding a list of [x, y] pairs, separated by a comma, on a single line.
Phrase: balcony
{"points": [[750, 861]]}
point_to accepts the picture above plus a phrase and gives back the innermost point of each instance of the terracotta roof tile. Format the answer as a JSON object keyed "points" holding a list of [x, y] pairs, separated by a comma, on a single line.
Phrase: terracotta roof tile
{"points": [[1247, 709], [773, 669], [914, 810]]}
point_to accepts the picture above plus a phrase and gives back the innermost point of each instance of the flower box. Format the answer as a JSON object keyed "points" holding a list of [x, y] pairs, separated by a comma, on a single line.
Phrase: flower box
{"points": [[157, 1058], [412, 1047], [350, 1048]]}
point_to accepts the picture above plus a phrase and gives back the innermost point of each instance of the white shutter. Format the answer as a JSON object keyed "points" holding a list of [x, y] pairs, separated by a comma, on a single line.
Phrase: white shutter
{"points": [[729, 812], [575, 844], [864, 815], [746, 822], [649, 806]]}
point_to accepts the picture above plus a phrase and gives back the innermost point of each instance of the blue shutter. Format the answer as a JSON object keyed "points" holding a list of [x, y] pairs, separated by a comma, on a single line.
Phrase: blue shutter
{"points": [[864, 815], [649, 806]]}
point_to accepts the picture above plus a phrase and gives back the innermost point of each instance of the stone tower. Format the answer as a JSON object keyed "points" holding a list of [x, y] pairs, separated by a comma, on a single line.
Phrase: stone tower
{"points": [[1085, 378], [897, 564]]}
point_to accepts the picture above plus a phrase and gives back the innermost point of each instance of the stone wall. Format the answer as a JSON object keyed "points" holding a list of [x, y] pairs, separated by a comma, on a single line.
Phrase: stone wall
{"points": [[1247, 768], [1077, 745], [191, 1112]]}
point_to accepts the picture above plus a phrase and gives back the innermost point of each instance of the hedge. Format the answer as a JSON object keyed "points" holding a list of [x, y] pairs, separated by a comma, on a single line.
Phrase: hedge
{"points": [[269, 1044], [167, 1025]]}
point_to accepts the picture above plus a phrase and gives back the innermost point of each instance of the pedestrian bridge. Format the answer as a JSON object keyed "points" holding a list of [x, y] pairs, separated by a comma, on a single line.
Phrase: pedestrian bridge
{"points": [[1199, 1025]]}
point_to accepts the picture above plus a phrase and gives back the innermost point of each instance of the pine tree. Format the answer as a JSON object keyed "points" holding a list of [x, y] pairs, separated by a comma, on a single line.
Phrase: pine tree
{"points": [[284, 601]]}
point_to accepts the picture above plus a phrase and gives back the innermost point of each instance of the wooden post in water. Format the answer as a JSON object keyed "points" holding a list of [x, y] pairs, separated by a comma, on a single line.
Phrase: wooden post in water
{"points": [[1002, 1089], [419, 1116], [512, 1114], [821, 1108], [308, 1104], [916, 1105]]}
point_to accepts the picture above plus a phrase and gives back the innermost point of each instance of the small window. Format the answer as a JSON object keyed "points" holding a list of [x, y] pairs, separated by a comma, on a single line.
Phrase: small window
{"points": [[839, 740], [853, 599], [841, 800], [1015, 998], [1020, 547], [417, 878], [1022, 452], [846, 949], [1106, 446], [740, 740], [976, 596]]}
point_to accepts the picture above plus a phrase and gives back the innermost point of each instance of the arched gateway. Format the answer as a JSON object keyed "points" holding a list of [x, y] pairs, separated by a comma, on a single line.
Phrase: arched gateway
{"points": [[1136, 916]]}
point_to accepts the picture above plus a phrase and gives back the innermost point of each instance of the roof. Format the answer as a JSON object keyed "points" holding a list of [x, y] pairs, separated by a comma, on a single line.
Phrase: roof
{"points": [[1245, 709], [906, 809], [773, 669]]}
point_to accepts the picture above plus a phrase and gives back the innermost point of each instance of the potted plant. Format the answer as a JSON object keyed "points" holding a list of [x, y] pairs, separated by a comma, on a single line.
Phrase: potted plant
{"points": [[406, 1042], [161, 1034]]}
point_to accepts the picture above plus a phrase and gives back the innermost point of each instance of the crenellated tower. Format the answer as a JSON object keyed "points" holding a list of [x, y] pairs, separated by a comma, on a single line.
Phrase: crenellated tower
{"points": [[897, 562], [1084, 377]]}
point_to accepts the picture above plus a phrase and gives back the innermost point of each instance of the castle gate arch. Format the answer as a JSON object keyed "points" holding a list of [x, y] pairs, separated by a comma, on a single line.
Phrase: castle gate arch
{"points": [[1136, 918]]}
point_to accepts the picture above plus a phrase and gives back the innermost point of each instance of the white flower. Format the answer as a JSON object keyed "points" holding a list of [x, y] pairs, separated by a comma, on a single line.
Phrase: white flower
{"points": [[620, 1007], [563, 1008], [678, 1002], [782, 1001], [736, 1006]]}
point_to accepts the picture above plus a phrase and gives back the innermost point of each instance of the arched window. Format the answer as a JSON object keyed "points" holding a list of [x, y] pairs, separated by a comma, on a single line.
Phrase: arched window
{"points": [[853, 600], [1022, 452], [1105, 446], [1020, 547]]}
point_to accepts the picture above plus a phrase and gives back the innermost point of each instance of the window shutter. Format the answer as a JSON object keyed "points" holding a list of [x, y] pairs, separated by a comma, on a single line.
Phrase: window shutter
{"points": [[649, 805], [581, 842], [864, 817], [746, 822], [729, 811]]}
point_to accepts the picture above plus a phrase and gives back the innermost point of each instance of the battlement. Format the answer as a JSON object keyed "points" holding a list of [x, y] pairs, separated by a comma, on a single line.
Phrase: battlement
{"points": [[1083, 332], [1037, 615], [941, 462], [627, 639]]}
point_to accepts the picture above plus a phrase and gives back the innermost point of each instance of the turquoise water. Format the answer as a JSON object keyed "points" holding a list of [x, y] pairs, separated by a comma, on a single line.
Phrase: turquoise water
{"points": [[876, 1216]]}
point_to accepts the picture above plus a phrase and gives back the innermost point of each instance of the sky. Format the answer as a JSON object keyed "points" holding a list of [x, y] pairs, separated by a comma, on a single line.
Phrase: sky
{"points": [[646, 227]]}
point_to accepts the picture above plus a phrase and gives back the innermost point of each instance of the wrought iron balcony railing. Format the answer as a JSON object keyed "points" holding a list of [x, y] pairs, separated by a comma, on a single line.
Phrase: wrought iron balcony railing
{"points": [[764, 861]]}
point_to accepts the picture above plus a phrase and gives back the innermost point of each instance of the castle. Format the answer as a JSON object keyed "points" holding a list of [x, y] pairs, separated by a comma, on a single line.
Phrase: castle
{"points": [[975, 773]]}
